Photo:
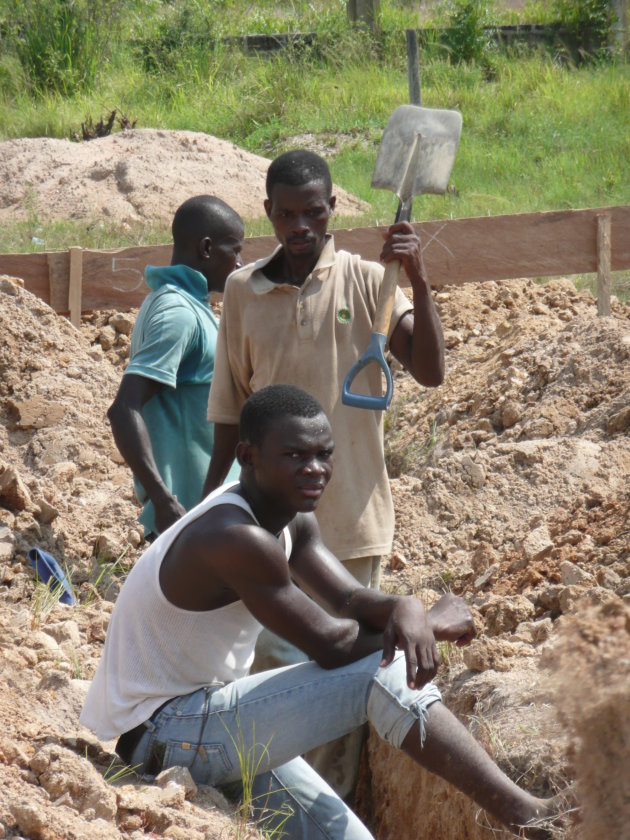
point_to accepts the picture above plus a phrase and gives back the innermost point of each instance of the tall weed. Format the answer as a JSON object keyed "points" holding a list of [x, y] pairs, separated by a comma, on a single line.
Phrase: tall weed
{"points": [[61, 44], [467, 36], [589, 24]]}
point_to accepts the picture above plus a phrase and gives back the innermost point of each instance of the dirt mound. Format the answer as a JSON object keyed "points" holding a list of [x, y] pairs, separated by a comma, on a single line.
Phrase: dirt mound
{"points": [[62, 484], [132, 176], [63, 488], [511, 487], [595, 709]]}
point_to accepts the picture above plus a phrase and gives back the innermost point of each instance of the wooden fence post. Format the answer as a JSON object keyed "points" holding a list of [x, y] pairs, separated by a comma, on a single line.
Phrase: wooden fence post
{"points": [[603, 263], [413, 67], [364, 12], [619, 33], [75, 287]]}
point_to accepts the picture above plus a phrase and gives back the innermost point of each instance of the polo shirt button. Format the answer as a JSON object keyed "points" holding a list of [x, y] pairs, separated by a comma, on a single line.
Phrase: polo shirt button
{"points": [[303, 322]]}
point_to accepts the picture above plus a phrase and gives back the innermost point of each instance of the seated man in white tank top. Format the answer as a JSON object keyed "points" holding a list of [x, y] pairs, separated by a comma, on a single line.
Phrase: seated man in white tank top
{"points": [[173, 681]]}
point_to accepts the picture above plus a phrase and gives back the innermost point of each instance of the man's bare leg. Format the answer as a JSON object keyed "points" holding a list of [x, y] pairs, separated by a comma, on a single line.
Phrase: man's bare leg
{"points": [[452, 753]]}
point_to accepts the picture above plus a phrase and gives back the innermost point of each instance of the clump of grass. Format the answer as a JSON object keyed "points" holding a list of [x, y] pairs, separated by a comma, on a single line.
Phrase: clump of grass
{"points": [[450, 654], [78, 674], [253, 813], [117, 771], [404, 453], [105, 573], [61, 44], [46, 597]]}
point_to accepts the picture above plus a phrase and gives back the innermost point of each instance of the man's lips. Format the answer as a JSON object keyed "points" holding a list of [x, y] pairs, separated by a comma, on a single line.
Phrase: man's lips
{"points": [[300, 243], [312, 491]]}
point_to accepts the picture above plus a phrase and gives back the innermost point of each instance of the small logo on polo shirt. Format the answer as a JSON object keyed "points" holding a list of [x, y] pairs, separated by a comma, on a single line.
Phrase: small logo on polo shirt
{"points": [[343, 315]]}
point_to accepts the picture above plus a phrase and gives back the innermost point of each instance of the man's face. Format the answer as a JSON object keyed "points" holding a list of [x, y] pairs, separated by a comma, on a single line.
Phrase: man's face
{"points": [[299, 216], [293, 463], [223, 256]]}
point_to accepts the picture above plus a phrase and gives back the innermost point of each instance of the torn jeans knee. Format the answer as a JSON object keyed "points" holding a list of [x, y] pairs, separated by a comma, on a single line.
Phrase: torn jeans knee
{"points": [[393, 707]]}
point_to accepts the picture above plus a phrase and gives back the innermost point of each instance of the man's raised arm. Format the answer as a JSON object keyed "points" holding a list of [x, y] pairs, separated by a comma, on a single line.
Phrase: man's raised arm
{"points": [[417, 341]]}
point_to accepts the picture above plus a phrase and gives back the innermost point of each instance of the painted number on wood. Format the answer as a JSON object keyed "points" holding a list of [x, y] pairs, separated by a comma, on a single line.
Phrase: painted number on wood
{"points": [[128, 278]]}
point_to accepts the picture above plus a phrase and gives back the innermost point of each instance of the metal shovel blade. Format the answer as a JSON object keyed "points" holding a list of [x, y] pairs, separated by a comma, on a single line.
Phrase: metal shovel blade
{"points": [[416, 155], [439, 132]]}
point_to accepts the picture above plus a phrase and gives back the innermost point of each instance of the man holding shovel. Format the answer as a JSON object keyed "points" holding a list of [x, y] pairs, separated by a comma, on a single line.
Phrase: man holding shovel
{"points": [[302, 317]]}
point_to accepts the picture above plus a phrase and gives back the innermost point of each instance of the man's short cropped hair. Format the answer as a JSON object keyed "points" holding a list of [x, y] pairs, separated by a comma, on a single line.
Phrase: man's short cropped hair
{"points": [[297, 168], [201, 216], [272, 403]]}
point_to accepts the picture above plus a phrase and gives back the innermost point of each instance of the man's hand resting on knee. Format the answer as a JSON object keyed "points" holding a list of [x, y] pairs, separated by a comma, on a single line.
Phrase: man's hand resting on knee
{"points": [[413, 630]]}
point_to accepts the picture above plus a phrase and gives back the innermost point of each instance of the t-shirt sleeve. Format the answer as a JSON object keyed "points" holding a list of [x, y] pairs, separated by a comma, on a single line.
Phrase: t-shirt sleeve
{"points": [[168, 332], [232, 374]]}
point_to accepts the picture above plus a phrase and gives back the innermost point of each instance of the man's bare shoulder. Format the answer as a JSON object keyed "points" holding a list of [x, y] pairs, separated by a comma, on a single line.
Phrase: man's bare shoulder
{"points": [[304, 528], [220, 519], [217, 557]]}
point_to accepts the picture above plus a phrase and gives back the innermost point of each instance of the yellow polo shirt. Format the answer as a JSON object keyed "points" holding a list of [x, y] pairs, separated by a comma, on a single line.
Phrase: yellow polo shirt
{"points": [[272, 333]]}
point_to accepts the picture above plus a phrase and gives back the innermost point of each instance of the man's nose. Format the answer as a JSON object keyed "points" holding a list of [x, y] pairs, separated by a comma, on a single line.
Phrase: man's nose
{"points": [[300, 224], [314, 466]]}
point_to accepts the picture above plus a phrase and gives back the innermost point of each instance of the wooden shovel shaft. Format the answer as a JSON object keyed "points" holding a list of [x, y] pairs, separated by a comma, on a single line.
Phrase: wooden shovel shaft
{"points": [[386, 297]]}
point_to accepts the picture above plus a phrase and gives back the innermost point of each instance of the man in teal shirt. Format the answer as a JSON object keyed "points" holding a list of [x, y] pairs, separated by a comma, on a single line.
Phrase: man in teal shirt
{"points": [[158, 417]]}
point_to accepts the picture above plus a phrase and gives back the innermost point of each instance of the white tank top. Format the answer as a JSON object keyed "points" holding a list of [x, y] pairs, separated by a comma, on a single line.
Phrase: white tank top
{"points": [[155, 651]]}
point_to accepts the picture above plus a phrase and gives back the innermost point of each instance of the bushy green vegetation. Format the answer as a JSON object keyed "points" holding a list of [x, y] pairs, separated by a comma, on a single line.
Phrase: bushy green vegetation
{"points": [[539, 133]]}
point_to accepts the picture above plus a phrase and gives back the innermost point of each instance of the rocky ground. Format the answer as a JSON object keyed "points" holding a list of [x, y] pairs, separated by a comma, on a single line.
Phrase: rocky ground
{"points": [[511, 488]]}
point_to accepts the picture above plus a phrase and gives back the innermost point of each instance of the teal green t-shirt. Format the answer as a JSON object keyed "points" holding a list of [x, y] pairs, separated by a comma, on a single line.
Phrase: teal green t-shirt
{"points": [[174, 342]]}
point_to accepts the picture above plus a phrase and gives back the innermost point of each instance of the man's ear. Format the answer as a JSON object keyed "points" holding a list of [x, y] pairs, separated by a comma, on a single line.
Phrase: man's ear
{"points": [[332, 201], [267, 206], [244, 453], [205, 246]]}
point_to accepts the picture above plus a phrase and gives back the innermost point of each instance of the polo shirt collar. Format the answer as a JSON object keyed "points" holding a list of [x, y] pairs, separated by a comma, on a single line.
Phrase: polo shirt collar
{"points": [[261, 284], [182, 276]]}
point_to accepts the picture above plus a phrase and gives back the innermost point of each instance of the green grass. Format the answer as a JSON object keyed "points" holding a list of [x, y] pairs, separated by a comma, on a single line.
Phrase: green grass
{"points": [[537, 135]]}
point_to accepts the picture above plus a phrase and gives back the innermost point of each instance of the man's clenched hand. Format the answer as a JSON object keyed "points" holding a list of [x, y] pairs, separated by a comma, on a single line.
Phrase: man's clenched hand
{"points": [[451, 620], [167, 511]]}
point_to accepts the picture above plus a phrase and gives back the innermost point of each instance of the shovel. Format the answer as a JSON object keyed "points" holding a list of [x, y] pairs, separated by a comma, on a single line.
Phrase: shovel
{"points": [[416, 156]]}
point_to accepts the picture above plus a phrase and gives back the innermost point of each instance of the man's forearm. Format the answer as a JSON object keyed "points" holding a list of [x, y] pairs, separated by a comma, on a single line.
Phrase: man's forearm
{"points": [[350, 648], [369, 607], [132, 439], [225, 440]]}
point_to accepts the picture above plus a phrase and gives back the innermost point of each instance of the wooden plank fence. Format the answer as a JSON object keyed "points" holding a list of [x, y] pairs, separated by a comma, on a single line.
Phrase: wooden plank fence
{"points": [[455, 252]]}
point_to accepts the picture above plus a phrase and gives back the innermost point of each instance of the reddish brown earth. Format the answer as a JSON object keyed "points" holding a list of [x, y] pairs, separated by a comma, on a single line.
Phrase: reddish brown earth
{"points": [[511, 488]]}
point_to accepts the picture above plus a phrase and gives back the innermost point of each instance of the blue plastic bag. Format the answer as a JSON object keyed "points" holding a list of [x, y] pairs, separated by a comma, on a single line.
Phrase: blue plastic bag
{"points": [[46, 568]]}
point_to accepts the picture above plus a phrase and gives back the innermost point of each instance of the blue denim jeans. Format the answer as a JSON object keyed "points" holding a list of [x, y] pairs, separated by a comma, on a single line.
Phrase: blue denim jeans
{"points": [[270, 719]]}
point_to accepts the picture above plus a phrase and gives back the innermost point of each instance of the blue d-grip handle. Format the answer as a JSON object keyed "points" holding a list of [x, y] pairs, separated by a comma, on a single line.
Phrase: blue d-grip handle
{"points": [[375, 353]]}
